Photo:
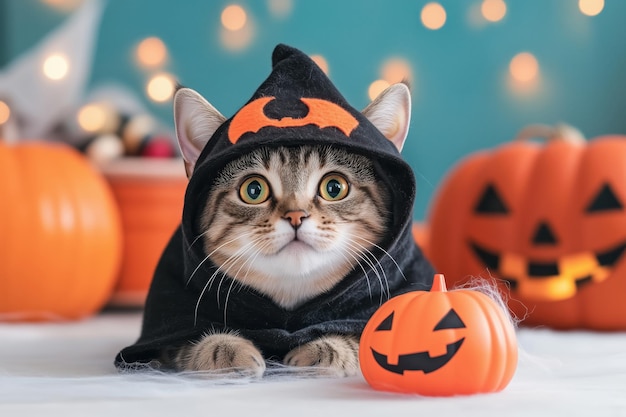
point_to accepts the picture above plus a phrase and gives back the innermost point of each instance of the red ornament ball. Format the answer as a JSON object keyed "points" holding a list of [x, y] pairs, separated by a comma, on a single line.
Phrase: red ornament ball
{"points": [[158, 147]]}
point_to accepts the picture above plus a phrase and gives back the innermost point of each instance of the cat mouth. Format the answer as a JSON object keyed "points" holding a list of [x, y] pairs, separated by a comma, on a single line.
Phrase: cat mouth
{"points": [[552, 280], [296, 245]]}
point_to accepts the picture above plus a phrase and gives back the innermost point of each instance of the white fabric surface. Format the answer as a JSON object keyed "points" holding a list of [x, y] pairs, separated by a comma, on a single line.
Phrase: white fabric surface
{"points": [[66, 369]]}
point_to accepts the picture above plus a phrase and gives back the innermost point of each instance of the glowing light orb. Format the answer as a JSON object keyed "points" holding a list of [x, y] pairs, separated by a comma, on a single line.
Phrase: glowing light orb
{"points": [[321, 62], [433, 16], [161, 87], [151, 52], [5, 112], [376, 88], [396, 70], [56, 67], [234, 17], [493, 10], [591, 7], [524, 67]]}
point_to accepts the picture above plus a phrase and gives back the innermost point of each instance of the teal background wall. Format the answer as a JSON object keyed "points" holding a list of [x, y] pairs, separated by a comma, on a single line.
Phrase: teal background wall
{"points": [[462, 101]]}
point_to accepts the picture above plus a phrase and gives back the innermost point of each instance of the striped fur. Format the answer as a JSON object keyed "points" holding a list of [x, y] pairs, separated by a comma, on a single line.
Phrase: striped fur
{"points": [[258, 247]]}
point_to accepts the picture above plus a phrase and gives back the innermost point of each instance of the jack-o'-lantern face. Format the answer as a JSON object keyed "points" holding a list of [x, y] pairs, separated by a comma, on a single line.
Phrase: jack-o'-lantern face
{"points": [[421, 361], [439, 343], [549, 219], [558, 277]]}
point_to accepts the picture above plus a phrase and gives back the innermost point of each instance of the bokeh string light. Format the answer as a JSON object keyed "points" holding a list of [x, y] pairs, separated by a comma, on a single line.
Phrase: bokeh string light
{"points": [[433, 16], [56, 67], [396, 70], [524, 75], [234, 17], [376, 88], [5, 112], [237, 33], [237, 29], [151, 52], [160, 87], [493, 10], [591, 7], [97, 117], [524, 67], [321, 62]]}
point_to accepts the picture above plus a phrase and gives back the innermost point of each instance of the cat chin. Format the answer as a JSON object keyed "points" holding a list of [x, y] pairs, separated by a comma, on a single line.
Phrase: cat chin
{"points": [[296, 273]]}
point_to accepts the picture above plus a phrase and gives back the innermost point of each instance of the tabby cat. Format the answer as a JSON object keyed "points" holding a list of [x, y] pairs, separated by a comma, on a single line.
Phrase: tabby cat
{"points": [[289, 222], [296, 227]]}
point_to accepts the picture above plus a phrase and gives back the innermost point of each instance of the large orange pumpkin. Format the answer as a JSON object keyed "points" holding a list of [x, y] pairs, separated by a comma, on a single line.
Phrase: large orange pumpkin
{"points": [[546, 218], [439, 343], [59, 234]]}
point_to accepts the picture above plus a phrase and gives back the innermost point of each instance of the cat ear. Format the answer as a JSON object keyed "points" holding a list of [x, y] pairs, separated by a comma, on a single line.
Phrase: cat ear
{"points": [[195, 120], [390, 112]]}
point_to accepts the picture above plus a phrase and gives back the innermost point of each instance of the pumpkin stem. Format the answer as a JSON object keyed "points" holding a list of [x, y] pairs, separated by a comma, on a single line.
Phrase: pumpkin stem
{"points": [[560, 131], [439, 283]]}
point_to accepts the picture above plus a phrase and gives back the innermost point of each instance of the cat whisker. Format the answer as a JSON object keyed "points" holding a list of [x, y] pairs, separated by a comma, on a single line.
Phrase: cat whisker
{"points": [[357, 260], [193, 242], [368, 256], [385, 252], [231, 261], [228, 263], [261, 247], [239, 282], [246, 234]]}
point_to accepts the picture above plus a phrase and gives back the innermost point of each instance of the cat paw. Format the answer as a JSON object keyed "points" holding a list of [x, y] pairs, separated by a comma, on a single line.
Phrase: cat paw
{"points": [[224, 353], [333, 355]]}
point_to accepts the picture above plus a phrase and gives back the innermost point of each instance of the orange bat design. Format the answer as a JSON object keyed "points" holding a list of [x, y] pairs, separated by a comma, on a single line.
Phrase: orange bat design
{"points": [[322, 113]]}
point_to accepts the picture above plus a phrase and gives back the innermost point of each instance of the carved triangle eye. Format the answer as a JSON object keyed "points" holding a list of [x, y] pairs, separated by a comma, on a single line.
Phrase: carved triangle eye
{"points": [[450, 321], [491, 203], [385, 324], [605, 200]]}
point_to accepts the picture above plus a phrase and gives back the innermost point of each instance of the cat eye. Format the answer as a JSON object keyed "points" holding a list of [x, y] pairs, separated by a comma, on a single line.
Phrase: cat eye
{"points": [[254, 190], [334, 187]]}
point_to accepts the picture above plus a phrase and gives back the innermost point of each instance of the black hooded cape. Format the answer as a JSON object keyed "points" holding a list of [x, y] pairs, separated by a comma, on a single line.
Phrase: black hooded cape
{"points": [[170, 316]]}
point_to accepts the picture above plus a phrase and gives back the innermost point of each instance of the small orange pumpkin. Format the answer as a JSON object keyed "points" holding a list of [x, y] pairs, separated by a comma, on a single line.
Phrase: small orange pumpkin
{"points": [[549, 219], [439, 343], [60, 234]]}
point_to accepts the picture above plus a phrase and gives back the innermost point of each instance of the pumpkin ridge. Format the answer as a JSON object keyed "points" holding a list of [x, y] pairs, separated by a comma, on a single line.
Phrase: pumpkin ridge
{"points": [[42, 276], [498, 339]]}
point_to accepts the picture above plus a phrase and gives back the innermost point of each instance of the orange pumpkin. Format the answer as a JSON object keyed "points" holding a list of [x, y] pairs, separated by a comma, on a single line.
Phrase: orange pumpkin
{"points": [[439, 343], [421, 236], [546, 218], [149, 193], [59, 234]]}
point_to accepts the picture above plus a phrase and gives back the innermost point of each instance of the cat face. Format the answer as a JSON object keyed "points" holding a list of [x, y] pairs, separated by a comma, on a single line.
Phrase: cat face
{"points": [[292, 222]]}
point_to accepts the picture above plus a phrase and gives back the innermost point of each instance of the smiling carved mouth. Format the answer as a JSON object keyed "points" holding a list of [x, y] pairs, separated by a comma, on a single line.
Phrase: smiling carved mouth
{"points": [[550, 280], [420, 361]]}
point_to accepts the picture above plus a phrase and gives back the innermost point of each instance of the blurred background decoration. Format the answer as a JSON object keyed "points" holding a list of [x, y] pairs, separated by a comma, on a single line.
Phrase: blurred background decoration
{"points": [[480, 70]]}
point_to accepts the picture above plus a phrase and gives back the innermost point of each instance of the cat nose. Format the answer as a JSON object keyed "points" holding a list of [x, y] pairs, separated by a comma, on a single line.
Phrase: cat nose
{"points": [[295, 217]]}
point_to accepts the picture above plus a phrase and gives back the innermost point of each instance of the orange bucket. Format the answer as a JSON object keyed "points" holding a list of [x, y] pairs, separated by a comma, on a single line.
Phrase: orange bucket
{"points": [[150, 194]]}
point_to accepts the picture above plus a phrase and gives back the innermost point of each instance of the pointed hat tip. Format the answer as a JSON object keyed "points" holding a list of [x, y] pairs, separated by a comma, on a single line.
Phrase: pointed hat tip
{"points": [[282, 52]]}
